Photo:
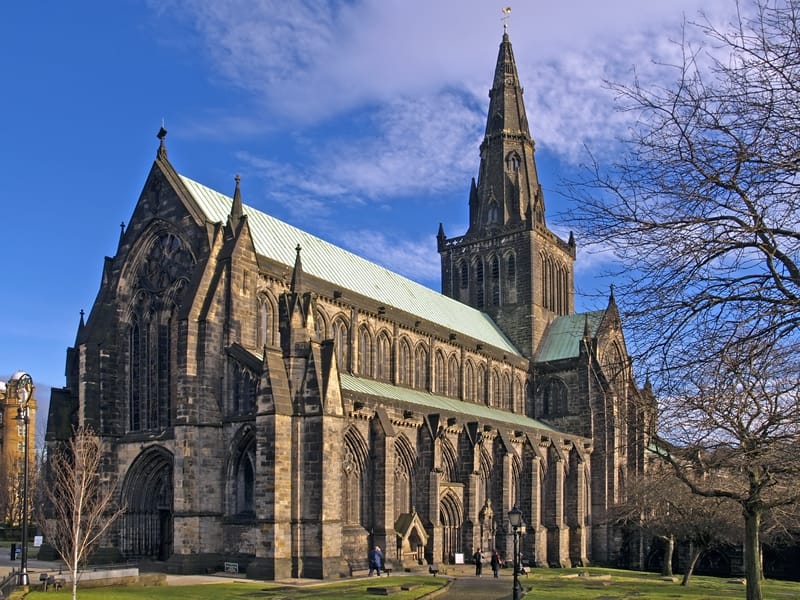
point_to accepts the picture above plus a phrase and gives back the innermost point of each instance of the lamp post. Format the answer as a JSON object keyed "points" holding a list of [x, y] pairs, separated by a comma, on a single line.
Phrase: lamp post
{"points": [[24, 393], [515, 519]]}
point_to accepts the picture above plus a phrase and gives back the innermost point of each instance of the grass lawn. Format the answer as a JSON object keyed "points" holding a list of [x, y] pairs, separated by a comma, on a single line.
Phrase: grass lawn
{"points": [[545, 584], [613, 584], [355, 590]]}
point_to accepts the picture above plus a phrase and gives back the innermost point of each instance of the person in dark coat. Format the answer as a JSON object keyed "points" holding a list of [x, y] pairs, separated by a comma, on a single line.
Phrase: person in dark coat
{"points": [[375, 561], [478, 562], [496, 563]]}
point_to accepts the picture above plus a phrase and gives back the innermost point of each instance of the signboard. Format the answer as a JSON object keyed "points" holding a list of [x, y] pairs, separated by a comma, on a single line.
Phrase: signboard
{"points": [[37, 541], [459, 558]]}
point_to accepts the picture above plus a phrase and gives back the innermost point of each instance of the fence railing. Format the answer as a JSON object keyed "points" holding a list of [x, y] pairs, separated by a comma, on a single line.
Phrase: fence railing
{"points": [[8, 584]]}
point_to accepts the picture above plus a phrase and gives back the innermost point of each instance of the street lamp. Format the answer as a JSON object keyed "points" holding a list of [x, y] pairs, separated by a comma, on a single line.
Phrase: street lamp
{"points": [[24, 393], [515, 519]]}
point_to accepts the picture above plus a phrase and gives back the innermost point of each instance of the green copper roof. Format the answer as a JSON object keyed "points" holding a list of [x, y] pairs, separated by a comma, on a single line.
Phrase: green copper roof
{"points": [[277, 240], [437, 403], [563, 336]]}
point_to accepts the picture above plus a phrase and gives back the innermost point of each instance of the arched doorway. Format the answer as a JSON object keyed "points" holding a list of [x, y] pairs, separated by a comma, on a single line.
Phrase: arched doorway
{"points": [[451, 516], [146, 530]]}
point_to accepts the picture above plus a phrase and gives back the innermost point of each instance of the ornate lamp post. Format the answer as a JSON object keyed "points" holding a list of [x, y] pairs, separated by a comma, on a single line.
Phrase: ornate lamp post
{"points": [[516, 522], [24, 393]]}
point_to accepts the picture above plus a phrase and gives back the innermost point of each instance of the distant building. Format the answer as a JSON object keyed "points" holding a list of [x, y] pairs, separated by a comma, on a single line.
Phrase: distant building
{"points": [[12, 444], [268, 398]]}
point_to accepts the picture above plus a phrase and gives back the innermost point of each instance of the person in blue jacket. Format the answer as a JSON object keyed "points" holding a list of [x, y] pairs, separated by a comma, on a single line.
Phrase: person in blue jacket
{"points": [[375, 560]]}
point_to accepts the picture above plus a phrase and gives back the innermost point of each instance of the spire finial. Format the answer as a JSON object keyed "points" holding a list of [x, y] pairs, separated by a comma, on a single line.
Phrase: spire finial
{"points": [[162, 148], [506, 11], [236, 208], [297, 273]]}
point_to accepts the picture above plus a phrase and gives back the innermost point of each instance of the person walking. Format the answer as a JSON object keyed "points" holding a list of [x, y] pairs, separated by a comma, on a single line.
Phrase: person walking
{"points": [[478, 562], [496, 563], [375, 561]]}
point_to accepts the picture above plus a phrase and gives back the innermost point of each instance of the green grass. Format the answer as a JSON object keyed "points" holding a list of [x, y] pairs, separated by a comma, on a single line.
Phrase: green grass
{"points": [[545, 584], [613, 584], [355, 590]]}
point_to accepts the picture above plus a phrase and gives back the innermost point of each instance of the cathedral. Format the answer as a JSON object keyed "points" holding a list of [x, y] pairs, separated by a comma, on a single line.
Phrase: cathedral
{"points": [[269, 398]]}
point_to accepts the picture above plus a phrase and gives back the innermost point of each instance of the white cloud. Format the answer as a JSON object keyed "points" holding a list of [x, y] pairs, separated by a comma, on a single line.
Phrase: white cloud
{"points": [[312, 60], [412, 77]]}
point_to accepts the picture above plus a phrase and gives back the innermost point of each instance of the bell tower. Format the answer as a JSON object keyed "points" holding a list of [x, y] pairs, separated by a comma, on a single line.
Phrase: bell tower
{"points": [[508, 263]]}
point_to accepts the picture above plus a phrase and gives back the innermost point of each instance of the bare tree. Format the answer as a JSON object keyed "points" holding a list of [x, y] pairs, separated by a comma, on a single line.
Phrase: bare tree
{"points": [[732, 432], [702, 212], [80, 504], [665, 508], [702, 207]]}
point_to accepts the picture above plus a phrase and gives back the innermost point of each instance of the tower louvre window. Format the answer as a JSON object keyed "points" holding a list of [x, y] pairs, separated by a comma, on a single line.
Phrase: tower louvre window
{"points": [[495, 281], [479, 284], [464, 275], [493, 213]]}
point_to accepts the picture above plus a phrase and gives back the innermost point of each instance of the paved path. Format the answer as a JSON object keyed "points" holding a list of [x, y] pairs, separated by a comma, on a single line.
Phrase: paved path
{"points": [[469, 587]]}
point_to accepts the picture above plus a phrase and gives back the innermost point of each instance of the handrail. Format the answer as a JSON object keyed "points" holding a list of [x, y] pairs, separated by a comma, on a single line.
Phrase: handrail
{"points": [[9, 583]]}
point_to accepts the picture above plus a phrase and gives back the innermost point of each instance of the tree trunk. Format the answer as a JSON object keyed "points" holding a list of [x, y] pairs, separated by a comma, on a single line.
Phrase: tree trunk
{"points": [[696, 552], [752, 552], [669, 550]]}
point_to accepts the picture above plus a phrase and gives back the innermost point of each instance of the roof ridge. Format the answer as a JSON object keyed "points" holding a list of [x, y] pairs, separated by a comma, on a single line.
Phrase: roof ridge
{"points": [[415, 298]]}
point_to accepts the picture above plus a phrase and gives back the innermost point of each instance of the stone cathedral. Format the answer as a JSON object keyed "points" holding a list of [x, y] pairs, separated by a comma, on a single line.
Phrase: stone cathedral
{"points": [[267, 397]]}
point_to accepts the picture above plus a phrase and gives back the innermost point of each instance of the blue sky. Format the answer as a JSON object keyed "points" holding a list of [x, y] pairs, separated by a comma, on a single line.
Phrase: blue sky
{"points": [[356, 120]]}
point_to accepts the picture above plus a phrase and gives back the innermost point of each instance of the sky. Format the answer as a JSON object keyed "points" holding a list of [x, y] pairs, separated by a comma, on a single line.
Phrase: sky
{"points": [[356, 120]]}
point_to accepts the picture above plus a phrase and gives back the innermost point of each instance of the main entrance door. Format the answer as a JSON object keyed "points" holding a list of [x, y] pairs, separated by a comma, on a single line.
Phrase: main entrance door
{"points": [[146, 530]]}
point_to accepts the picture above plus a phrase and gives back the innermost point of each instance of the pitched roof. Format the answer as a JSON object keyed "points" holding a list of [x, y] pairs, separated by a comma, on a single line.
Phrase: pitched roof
{"points": [[563, 336], [382, 389], [277, 240]]}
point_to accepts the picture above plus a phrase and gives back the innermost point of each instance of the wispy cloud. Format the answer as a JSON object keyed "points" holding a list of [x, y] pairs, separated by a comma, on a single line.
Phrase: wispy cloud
{"points": [[412, 258], [410, 80]]}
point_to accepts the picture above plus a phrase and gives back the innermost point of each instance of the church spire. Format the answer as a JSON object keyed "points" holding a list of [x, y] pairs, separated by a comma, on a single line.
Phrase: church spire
{"points": [[508, 193]]}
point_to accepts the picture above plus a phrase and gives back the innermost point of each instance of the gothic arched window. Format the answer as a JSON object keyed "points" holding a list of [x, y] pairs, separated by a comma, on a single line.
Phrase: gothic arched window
{"points": [[266, 325], [511, 279], [493, 213], [554, 398], [453, 378], [383, 357], [364, 352], [469, 382], [243, 475], [479, 283], [244, 391], [341, 343], [356, 485], [495, 280], [404, 373], [440, 373], [421, 379]]}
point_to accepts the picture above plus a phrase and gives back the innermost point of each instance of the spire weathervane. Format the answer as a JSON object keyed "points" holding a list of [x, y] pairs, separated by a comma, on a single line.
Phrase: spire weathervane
{"points": [[506, 11]]}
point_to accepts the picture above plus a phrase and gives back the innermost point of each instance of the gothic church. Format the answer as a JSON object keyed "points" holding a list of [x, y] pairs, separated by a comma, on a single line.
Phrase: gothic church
{"points": [[268, 398]]}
